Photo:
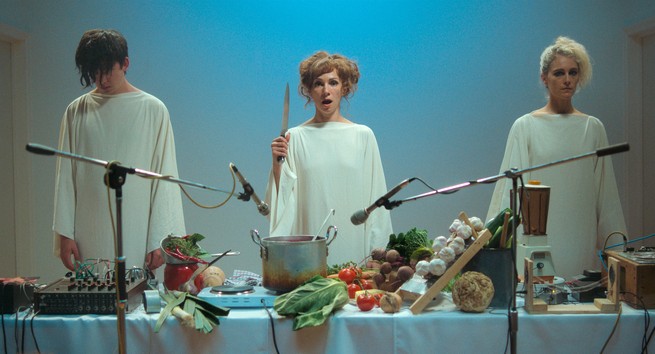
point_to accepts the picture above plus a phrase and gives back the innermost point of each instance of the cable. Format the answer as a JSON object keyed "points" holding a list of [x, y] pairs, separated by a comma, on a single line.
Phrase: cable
{"points": [[22, 336], [36, 345], [618, 316], [427, 185], [4, 333], [234, 185], [16, 330], [625, 243], [272, 325]]}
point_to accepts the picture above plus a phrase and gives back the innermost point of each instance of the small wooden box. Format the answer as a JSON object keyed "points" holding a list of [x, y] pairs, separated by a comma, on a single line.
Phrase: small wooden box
{"points": [[637, 280]]}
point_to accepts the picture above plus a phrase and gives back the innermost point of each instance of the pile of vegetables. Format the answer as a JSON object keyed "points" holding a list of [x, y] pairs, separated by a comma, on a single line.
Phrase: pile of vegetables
{"points": [[446, 250], [187, 270], [408, 243], [394, 264], [362, 289]]}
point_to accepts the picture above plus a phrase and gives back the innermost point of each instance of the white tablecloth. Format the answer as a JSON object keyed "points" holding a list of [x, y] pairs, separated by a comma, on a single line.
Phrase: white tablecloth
{"points": [[439, 328]]}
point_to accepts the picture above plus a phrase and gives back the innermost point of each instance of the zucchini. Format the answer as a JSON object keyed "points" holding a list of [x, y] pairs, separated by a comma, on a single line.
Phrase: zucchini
{"points": [[493, 224], [494, 241]]}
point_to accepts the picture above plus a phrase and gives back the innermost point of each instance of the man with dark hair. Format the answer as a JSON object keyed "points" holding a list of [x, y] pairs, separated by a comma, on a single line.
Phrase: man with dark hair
{"points": [[114, 122]]}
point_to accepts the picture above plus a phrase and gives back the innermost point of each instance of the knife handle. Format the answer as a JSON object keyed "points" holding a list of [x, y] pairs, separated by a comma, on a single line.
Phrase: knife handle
{"points": [[280, 159]]}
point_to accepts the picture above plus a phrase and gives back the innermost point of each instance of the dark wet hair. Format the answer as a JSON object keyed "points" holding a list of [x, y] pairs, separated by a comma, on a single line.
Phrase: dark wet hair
{"points": [[97, 52]]}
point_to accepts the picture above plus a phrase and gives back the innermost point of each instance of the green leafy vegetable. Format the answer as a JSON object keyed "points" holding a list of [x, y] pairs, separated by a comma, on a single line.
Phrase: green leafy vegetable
{"points": [[335, 268], [407, 243], [186, 248], [312, 302]]}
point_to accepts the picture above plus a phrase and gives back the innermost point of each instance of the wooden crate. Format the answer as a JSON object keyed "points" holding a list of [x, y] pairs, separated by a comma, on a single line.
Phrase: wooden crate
{"points": [[637, 280]]}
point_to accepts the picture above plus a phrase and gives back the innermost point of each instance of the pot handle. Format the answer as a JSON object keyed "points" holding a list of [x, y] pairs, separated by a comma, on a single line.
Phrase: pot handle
{"points": [[262, 250], [327, 234], [254, 233]]}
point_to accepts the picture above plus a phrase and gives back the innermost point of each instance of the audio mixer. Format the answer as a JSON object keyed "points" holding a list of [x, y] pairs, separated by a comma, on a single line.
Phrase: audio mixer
{"points": [[86, 296]]}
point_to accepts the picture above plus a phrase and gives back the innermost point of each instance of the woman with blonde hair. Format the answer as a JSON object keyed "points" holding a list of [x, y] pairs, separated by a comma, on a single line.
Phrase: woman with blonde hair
{"points": [[584, 202]]}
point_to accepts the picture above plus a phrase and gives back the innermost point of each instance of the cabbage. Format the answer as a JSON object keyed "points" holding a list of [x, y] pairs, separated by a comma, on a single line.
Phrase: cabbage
{"points": [[407, 243], [312, 302]]}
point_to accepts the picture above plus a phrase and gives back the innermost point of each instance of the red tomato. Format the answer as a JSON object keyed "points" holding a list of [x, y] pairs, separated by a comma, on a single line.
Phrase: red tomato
{"points": [[377, 298], [365, 301], [348, 275], [199, 281], [366, 284], [352, 289]]}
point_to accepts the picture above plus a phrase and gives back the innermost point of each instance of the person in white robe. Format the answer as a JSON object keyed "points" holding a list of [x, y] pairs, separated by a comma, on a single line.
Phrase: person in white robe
{"points": [[114, 122], [330, 163], [584, 201]]}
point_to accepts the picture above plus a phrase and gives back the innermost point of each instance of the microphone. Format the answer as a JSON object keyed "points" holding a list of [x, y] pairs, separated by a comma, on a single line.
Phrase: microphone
{"points": [[39, 149], [612, 149], [360, 216], [248, 192]]}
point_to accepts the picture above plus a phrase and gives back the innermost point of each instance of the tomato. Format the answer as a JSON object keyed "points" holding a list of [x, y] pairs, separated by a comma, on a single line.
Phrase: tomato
{"points": [[348, 275], [352, 289], [377, 298], [199, 281], [366, 284], [365, 301]]}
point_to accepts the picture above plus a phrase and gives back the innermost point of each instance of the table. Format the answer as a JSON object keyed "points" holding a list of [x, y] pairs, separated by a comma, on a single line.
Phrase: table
{"points": [[439, 328]]}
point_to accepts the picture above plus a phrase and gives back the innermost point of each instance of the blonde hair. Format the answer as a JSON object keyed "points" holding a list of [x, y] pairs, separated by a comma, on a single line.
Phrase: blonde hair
{"points": [[321, 63], [569, 48]]}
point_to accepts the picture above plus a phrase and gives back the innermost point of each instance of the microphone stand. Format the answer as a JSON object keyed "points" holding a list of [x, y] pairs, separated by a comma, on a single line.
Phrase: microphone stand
{"points": [[514, 174], [115, 178]]}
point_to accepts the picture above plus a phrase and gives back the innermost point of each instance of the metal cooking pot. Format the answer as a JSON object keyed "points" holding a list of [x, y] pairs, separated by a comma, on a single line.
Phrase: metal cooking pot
{"points": [[289, 261]]}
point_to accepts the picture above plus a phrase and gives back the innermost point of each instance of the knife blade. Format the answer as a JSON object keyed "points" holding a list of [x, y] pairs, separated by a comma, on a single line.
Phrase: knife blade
{"points": [[285, 119]]}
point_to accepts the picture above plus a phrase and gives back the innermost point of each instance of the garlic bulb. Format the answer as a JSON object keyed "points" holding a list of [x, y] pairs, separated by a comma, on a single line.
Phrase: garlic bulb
{"points": [[453, 227], [464, 231], [438, 243], [478, 225], [447, 254], [458, 245], [457, 240], [438, 266], [422, 268]]}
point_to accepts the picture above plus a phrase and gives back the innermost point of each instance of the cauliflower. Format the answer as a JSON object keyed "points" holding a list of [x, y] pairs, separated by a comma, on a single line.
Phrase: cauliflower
{"points": [[473, 292]]}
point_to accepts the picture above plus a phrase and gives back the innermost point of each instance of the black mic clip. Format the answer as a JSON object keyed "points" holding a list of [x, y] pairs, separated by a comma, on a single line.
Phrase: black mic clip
{"points": [[389, 204], [247, 192]]}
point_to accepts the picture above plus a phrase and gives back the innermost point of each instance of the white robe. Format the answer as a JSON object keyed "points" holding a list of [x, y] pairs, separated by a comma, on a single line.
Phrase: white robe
{"points": [[135, 130], [584, 202], [331, 166]]}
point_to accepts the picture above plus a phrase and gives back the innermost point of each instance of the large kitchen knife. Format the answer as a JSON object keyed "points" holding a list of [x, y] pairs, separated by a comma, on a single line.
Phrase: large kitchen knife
{"points": [[285, 119]]}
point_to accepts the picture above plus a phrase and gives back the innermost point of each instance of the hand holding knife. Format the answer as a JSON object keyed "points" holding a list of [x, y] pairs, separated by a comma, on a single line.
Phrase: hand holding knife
{"points": [[285, 119]]}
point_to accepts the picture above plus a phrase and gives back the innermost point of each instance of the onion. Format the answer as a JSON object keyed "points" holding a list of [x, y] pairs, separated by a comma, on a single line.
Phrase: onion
{"points": [[391, 302]]}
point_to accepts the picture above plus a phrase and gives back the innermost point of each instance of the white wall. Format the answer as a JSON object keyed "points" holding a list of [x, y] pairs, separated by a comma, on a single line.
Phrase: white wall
{"points": [[441, 85]]}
